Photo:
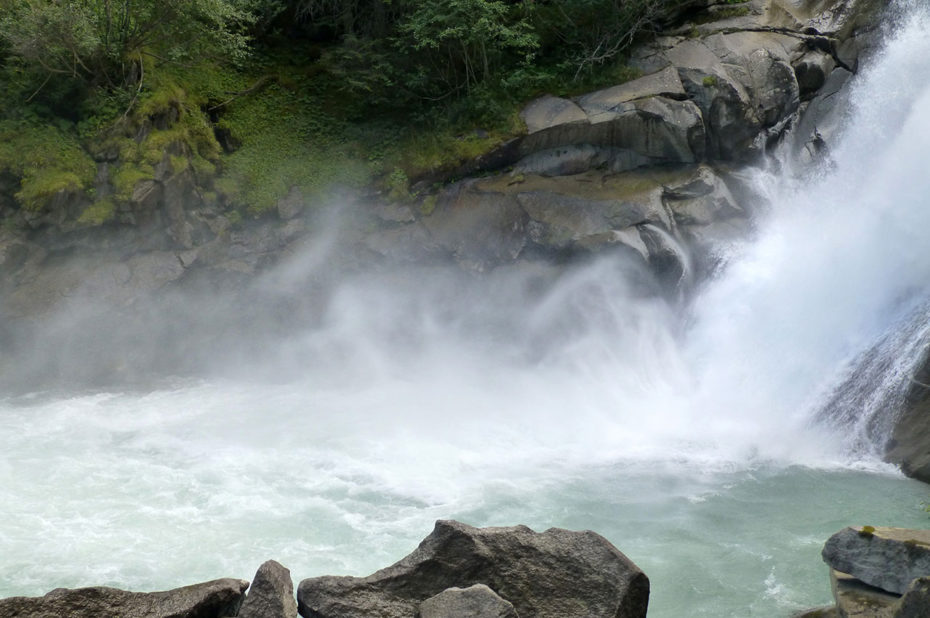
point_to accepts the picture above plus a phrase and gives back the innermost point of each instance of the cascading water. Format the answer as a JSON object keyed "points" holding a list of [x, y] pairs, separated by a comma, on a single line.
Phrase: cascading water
{"points": [[531, 395]]}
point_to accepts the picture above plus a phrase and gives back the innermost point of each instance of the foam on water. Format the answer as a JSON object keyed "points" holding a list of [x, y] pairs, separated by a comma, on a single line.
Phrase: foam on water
{"points": [[530, 395]]}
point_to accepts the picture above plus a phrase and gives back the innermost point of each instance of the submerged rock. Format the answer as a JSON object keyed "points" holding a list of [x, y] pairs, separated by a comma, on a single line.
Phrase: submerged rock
{"points": [[554, 574], [212, 599], [887, 558]]}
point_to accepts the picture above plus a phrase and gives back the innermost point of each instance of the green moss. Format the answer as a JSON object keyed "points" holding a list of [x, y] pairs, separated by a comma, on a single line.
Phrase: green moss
{"points": [[99, 212], [47, 160], [288, 139], [867, 531], [127, 175], [428, 205], [710, 81]]}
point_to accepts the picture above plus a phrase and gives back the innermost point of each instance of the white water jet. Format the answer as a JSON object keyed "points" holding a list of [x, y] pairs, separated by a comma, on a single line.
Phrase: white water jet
{"points": [[529, 396]]}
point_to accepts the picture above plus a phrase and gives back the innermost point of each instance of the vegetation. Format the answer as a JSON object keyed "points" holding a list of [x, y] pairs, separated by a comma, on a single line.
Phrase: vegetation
{"points": [[254, 98]]}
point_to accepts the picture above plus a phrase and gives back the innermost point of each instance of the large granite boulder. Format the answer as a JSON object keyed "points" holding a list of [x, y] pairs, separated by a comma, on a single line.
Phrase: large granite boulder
{"points": [[212, 599], [887, 558], [554, 574], [271, 594]]}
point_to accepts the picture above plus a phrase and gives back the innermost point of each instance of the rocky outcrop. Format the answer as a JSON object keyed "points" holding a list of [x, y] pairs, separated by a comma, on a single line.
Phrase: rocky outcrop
{"points": [[208, 600], [556, 573], [879, 572], [909, 446], [887, 558], [271, 594]]}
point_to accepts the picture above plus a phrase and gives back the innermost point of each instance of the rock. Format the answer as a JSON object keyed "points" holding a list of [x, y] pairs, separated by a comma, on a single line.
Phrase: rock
{"points": [[651, 130], [854, 599], [271, 594], [887, 558], [476, 601], [549, 111], [476, 227], [554, 574], [212, 599], [290, 205], [916, 600], [564, 161], [829, 611], [601, 105]]}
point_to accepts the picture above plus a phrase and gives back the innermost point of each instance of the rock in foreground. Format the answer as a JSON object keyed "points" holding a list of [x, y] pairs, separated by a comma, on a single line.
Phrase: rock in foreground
{"points": [[554, 574], [212, 599], [271, 594], [887, 558]]}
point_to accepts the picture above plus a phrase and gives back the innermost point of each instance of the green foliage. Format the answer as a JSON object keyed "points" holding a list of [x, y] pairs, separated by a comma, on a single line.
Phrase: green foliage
{"points": [[357, 91], [288, 140], [459, 44], [709, 81], [47, 159], [106, 44], [99, 212], [867, 531]]}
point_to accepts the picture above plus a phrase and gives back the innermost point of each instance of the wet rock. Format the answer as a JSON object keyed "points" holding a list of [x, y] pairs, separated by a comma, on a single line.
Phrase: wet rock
{"points": [[476, 227], [554, 574], [916, 600], [476, 601], [887, 558], [271, 594], [207, 600], [855, 599]]}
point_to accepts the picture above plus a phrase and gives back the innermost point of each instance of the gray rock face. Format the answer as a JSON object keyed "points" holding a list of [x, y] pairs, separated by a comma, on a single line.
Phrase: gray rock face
{"points": [[207, 600], [271, 594], [476, 601], [887, 558], [554, 574]]}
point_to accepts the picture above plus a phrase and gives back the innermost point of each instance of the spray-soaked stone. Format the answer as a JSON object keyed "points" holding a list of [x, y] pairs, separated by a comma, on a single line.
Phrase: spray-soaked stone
{"points": [[554, 574], [220, 597], [271, 594], [887, 558]]}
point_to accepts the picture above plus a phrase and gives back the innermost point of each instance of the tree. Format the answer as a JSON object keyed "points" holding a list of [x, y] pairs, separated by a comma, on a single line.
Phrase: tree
{"points": [[108, 43], [461, 43]]}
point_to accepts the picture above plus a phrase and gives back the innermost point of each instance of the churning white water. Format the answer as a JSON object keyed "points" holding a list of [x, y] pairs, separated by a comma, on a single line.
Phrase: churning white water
{"points": [[532, 395]]}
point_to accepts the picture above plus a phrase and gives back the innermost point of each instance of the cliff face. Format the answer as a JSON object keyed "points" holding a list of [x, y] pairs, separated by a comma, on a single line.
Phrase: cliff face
{"points": [[645, 168]]}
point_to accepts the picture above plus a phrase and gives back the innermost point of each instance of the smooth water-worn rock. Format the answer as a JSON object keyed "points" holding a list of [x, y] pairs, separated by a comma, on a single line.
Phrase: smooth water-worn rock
{"points": [[476, 601], [271, 594], [207, 600], [887, 558], [554, 574]]}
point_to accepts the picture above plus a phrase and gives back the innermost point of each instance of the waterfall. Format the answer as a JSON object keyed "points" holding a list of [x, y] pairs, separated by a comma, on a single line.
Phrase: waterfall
{"points": [[332, 420]]}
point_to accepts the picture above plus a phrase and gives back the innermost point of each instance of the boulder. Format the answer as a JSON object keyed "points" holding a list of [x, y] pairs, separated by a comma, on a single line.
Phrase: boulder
{"points": [[629, 134], [212, 599], [554, 574], [854, 599], [548, 111], [887, 558], [271, 594], [476, 601], [916, 600]]}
